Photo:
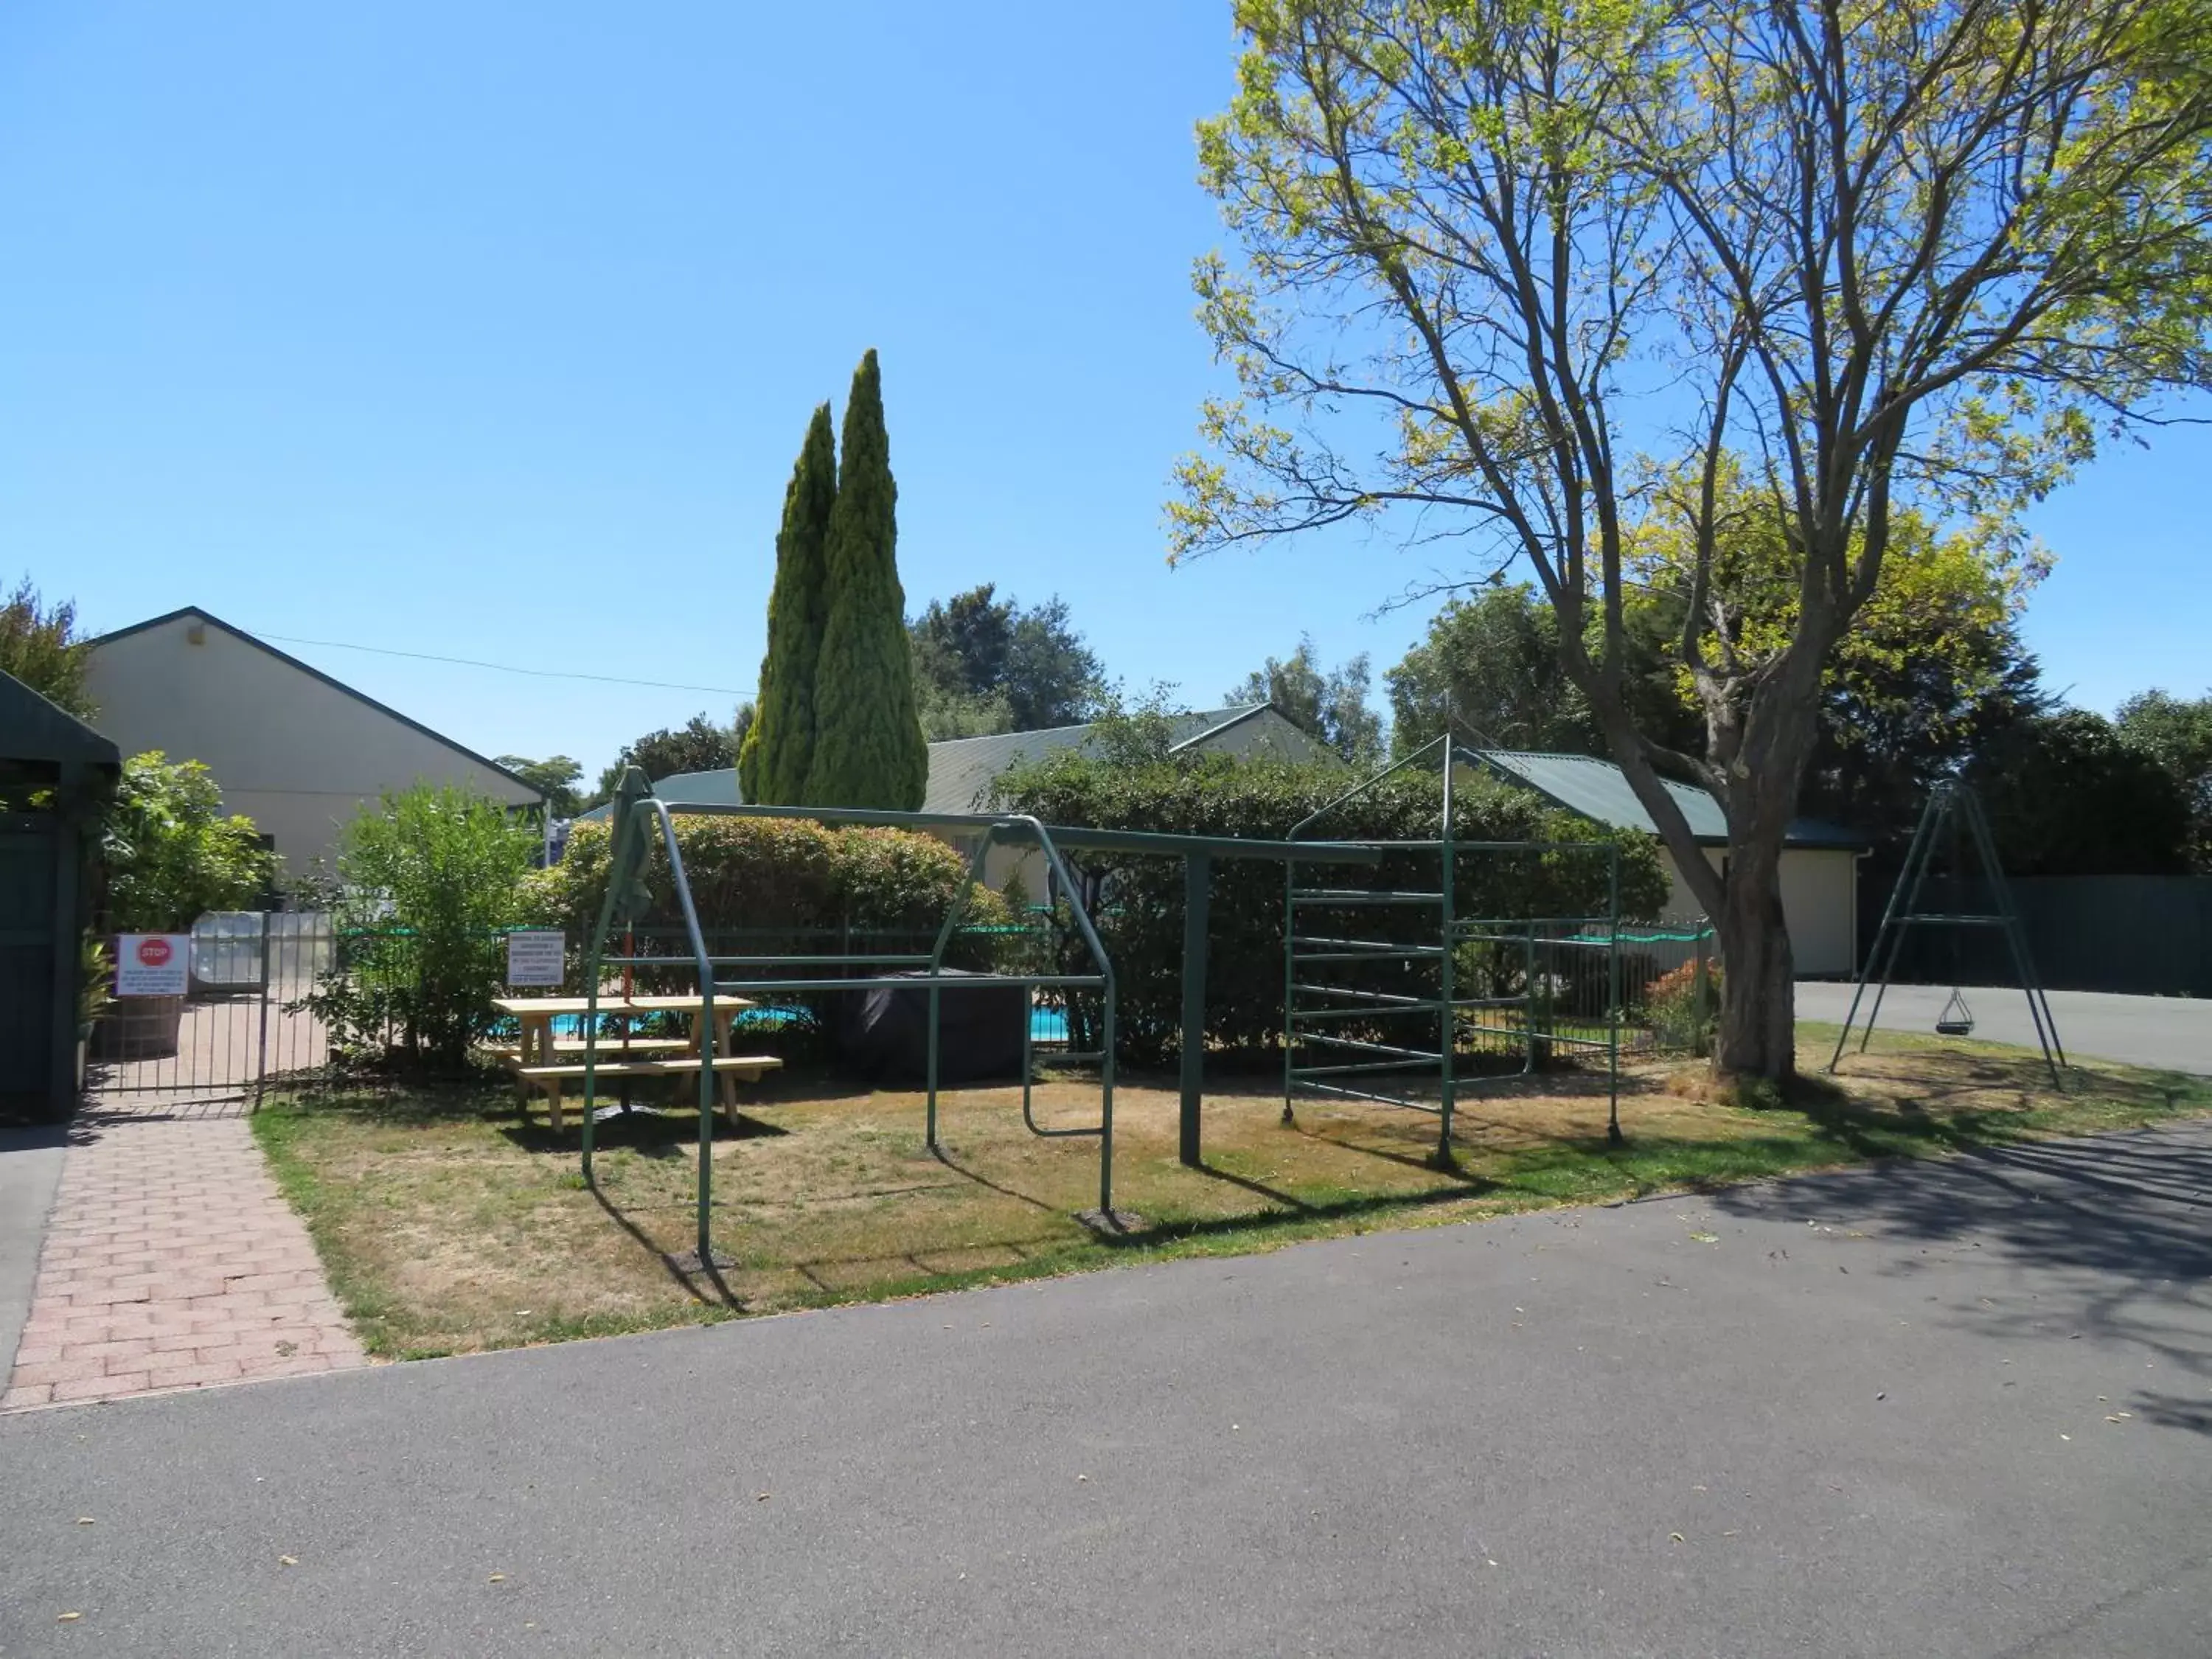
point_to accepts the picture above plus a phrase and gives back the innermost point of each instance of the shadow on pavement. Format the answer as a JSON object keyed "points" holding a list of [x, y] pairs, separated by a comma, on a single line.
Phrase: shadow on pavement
{"points": [[2121, 1224]]}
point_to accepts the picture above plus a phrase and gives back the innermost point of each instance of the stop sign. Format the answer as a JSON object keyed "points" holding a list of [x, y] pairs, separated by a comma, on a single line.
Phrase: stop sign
{"points": [[154, 951]]}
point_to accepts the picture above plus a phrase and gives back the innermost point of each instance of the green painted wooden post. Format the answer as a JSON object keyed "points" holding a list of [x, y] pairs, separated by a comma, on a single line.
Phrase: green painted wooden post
{"points": [[1197, 884]]}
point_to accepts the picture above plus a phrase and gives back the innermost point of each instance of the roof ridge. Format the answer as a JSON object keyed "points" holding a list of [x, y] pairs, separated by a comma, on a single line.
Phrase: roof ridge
{"points": [[313, 672]]}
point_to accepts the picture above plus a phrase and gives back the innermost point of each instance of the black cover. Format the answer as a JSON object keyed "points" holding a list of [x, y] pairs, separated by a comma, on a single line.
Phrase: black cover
{"points": [[885, 1037]]}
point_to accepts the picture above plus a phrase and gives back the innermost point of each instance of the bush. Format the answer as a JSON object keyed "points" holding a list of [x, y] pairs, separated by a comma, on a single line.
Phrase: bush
{"points": [[769, 886], [428, 882], [1681, 1020], [95, 974], [1140, 915], [786, 877], [170, 854]]}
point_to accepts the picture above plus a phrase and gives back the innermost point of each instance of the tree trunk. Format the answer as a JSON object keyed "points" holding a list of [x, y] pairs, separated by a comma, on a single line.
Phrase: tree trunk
{"points": [[1758, 1034]]}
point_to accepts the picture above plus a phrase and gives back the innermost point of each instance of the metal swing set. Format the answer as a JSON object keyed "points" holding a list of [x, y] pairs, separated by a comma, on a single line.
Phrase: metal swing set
{"points": [[1315, 1004], [1952, 819]]}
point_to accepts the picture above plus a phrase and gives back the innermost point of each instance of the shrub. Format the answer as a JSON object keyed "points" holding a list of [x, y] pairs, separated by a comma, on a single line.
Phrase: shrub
{"points": [[95, 974], [170, 853], [1681, 1020], [769, 886], [771, 877], [1140, 915], [428, 881]]}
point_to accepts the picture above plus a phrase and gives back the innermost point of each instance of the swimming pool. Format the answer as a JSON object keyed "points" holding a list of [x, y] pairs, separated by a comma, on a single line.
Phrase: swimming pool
{"points": [[1046, 1024]]}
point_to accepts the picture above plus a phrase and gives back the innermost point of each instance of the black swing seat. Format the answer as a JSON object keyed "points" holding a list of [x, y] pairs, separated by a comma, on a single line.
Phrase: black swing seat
{"points": [[1957, 1019]]}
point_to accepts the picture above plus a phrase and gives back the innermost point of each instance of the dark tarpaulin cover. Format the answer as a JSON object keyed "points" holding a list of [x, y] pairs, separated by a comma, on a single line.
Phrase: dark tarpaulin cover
{"points": [[886, 1036]]}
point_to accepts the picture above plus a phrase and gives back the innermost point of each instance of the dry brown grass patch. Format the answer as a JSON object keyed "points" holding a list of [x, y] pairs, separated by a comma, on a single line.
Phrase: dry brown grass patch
{"points": [[449, 1227]]}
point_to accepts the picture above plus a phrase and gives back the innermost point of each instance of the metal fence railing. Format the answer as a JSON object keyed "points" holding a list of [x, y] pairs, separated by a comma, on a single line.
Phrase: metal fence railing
{"points": [[233, 1028], [253, 1018]]}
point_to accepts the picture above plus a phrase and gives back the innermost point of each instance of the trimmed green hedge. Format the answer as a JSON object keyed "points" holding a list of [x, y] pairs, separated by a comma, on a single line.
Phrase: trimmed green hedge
{"points": [[1142, 897], [764, 886]]}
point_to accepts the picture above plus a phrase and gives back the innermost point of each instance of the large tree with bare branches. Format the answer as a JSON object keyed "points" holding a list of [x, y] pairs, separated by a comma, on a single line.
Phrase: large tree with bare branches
{"points": [[1517, 268]]}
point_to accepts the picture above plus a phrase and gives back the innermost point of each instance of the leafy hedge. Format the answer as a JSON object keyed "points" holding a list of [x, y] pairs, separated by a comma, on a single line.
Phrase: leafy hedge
{"points": [[1142, 897], [765, 886], [169, 852], [428, 879]]}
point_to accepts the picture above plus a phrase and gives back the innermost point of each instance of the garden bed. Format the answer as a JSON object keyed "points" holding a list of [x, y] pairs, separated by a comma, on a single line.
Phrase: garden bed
{"points": [[446, 1225]]}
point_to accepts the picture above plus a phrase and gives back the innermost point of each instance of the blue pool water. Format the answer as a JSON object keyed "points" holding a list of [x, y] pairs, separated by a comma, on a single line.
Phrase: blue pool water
{"points": [[1046, 1024]]}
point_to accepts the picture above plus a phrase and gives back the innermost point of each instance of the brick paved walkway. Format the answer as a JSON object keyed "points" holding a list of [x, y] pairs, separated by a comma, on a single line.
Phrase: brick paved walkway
{"points": [[172, 1262]]}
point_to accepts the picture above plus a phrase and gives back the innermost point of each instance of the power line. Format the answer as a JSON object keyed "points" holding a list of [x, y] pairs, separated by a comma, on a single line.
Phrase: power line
{"points": [[507, 668]]}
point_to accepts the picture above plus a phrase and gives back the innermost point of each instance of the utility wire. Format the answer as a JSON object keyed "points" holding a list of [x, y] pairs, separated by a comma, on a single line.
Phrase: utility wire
{"points": [[507, 668]]}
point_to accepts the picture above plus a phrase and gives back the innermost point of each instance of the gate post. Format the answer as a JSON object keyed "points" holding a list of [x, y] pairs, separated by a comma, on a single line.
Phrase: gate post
{"points": [[261, 1042]]}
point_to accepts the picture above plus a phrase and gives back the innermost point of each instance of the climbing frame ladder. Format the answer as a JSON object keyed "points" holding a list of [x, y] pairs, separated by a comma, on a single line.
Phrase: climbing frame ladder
{"points": [[1411, 975]]}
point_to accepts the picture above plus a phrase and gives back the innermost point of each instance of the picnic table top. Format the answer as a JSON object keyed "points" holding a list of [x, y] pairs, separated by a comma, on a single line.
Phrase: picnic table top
{"points": [[543, 1007]]}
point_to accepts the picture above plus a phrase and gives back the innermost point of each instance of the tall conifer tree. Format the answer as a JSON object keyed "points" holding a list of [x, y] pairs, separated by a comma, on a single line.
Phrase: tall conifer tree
{"points": [[868, 746], [779, 747]]}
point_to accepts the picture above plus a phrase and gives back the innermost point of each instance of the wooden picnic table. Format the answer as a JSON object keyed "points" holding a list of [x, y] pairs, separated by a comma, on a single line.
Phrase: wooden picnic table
{"points": [[538, 1063]]}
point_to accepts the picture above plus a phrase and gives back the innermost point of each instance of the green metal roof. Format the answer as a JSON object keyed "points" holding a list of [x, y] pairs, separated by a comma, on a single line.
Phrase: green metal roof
{"points": [[962, 769], [692, 788], [1598, 789], [38, 731]]}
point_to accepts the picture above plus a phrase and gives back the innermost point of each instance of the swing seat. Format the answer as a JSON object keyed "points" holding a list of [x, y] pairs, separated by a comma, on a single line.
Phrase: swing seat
{"points": [[1957, 1019]]}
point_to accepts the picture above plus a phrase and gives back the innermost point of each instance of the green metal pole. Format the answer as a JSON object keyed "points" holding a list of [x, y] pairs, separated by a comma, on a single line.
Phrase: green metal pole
{"points": [[1923, 845], [929, 1123], [1289, 978], [953, 913], [1529, 1000], [1613, 993], [1091, 942], [591, 972], [1449, 971], [1029, 1048], [1197, 885], [1106, 1113], [2039, 1005], [706, 970]]}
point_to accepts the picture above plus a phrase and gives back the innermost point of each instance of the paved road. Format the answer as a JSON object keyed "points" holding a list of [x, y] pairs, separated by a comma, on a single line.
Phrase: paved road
{"points": [[1868, 1414], [30, 1169], [2174, 1033]]}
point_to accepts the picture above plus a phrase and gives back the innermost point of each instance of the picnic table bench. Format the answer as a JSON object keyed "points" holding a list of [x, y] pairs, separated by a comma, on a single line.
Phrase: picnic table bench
{"points": [[539, 1066]]}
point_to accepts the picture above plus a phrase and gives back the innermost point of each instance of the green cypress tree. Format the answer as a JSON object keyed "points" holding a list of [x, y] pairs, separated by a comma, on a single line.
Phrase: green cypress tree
{"points": [[868, 746], [779, 745]]}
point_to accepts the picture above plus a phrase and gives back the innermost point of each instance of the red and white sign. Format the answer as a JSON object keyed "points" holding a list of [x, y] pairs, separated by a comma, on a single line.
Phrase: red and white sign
{"points": [[153, 964]]}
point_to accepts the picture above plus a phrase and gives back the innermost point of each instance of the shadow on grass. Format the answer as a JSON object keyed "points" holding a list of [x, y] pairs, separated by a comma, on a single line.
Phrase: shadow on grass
{"points": [[1425, 1162], [647, 1133], [686, 1280], [945, 1157], [1298, 1214]]}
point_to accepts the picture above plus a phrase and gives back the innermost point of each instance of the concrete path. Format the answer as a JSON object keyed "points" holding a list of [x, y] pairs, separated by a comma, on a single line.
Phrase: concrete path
{"points": [[2171, 1033], [1963, 1409], [171, 1260]]}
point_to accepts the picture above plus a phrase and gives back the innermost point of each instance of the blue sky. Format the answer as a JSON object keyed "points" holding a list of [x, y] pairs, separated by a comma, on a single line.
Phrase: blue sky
{"points": [[490, 330]]}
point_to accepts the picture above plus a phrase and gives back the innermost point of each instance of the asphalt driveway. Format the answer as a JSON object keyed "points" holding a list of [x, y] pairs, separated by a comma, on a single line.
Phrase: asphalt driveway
{"points": [[2171, 1033], [30, 1169], [1963, 1409]]}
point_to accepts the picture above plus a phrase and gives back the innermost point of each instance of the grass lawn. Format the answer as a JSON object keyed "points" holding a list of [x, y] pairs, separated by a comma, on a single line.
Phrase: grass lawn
{"points": [[448, 1225]]}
